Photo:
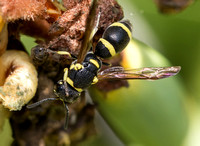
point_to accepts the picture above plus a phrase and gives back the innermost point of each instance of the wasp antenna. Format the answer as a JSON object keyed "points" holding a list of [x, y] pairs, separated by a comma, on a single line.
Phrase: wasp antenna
{"points": [[73, 56], [67, 115], [40, 102]]}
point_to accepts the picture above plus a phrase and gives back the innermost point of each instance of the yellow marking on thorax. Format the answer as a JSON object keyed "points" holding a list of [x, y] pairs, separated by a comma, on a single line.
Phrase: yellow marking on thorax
{"points": [[64, 53], [71, 66], [123, 27], [69, 81], [95, 80], [109, 46], [94, 62], [76, 66]]}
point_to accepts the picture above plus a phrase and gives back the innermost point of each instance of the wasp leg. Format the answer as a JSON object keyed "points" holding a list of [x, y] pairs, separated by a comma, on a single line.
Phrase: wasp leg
{"points": [[65, 81], [67, 115], [95, 28], [70, 56], [65, 75], [94, 31], [95, 80], [85, 46], [63, 53], [106, 64]]}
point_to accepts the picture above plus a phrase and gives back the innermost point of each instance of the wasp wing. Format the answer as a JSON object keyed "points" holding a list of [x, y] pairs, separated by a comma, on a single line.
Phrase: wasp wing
{"points": [[88, 32], [147, 73]]}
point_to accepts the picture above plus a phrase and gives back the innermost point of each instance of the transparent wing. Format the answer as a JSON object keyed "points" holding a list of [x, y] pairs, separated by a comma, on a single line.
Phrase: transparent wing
{"points": [[147, 73], [88, 32]]}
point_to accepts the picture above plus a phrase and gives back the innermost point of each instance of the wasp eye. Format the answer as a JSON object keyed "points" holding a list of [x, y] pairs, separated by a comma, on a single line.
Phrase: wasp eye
{"points": [[60, 89], [41, 50], [38, 50]]}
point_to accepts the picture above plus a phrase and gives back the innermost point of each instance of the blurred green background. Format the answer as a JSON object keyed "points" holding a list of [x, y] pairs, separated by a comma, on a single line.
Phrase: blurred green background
{"points": [[160, 113], [176, 36]]}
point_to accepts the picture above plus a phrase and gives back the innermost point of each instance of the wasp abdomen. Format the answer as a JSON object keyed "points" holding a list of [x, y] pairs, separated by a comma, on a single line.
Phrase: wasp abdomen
{"points": [[115, 38]]}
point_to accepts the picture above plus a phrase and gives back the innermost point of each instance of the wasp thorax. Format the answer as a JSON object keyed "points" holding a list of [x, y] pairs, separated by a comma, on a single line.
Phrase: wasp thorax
{"points": [[92, 61]]}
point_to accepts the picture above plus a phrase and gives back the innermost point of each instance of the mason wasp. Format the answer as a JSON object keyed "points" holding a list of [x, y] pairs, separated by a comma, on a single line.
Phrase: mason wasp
{"points": [[85, 70]]}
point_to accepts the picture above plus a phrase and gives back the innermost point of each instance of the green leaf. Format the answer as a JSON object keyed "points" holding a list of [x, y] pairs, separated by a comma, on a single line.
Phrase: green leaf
{"points": [[6, 134], [176, 36], [28, 42], [5, 128]]}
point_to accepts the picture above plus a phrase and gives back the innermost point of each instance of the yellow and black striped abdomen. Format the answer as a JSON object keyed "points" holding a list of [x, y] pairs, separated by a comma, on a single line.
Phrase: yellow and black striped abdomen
{"points": [[115, 38]]}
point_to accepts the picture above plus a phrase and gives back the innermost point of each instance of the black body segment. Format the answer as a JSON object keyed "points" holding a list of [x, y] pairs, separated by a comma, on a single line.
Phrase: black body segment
{"points": [[84, 77], [115, 38], [102, 51], [92, 62]]}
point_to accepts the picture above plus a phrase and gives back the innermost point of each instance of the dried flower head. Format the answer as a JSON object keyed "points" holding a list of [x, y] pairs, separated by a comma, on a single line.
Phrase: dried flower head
{"points": [[21, 9], [20, 79]]}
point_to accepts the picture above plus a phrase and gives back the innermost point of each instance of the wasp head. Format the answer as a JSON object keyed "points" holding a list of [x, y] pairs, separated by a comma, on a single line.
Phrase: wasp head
{"points": [[65, 92]]}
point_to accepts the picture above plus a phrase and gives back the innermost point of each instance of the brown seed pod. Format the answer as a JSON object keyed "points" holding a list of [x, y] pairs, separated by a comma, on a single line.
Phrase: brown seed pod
{"points": [[19, 78]]}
